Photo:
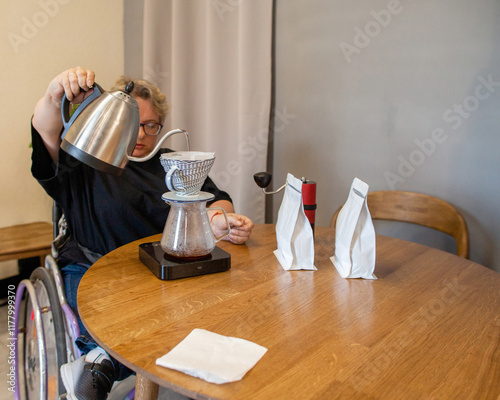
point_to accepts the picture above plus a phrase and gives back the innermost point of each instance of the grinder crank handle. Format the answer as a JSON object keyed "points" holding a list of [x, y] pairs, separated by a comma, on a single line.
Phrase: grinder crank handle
{"points": [[263, 179]]}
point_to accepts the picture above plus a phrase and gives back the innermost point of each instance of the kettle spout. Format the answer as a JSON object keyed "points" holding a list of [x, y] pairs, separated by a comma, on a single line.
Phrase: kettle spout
{"points": [[158, 145]]}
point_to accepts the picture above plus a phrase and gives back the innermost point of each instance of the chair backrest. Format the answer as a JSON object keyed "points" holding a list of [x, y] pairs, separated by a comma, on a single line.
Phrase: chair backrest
{"points": [[420, 209]]}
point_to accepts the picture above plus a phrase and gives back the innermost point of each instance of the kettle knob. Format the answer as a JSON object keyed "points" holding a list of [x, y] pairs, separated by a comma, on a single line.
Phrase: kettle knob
{"points": [[130, 87], [262, 179]]}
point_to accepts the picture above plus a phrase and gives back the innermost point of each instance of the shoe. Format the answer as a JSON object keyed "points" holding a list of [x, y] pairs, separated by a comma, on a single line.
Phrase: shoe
{"points": [[70, 372], [91, 377]]}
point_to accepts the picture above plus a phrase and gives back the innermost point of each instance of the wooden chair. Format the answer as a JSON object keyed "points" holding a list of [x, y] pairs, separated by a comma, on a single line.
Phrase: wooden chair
{"points": [[29, 240], [418, 209], [26, 240]]}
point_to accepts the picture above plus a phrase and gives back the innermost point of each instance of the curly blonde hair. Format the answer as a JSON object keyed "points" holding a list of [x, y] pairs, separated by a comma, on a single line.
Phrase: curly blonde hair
{"points": [[147, 91]]}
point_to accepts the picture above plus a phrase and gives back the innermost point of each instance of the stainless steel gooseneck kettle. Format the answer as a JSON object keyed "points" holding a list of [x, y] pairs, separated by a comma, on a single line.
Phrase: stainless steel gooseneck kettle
{"points": [[103, 130]]}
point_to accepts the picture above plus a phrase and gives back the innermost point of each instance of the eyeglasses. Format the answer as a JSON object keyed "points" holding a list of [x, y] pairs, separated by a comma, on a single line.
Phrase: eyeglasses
{"points": [[151, 128]]}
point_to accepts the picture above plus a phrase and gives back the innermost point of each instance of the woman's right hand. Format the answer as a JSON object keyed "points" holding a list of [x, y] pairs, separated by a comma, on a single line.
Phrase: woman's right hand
{"points": [[74, 82], [47, 120]]}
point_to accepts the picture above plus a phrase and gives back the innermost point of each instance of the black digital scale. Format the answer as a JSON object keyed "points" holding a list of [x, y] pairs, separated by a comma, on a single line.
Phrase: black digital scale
{"points": [[166, 267]]}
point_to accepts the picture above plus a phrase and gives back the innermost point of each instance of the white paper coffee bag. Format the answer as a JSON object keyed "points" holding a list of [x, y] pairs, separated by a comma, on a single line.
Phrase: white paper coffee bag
{"points": [[355, 236], [293, 230]]}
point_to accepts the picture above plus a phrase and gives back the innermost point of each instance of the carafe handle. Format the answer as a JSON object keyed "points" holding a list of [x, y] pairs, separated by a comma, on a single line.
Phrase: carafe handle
{"points": [[227, 222]]}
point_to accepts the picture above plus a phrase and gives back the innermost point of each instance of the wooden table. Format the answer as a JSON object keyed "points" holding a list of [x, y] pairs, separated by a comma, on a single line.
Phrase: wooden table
{"points": [[428, 328], [25, 241]]}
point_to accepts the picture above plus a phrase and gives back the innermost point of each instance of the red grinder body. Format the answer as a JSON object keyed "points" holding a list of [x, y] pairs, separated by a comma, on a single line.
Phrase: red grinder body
{"points": [[309, 200]]}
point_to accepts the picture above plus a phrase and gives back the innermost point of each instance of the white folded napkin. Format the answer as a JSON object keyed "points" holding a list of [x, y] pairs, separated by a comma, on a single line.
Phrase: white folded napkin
{"points": [[213, 357]]}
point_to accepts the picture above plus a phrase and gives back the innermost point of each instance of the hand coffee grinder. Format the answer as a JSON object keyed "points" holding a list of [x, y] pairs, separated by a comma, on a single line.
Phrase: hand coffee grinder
{"points": [[263, 179], [188, 245]]}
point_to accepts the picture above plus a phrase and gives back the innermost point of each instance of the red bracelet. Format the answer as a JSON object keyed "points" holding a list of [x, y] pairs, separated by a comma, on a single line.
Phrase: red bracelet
{"points": [[212, 217]]}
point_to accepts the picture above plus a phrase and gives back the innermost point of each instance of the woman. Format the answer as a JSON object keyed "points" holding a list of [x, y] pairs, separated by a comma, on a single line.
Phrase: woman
{"points": [[103, 211]]}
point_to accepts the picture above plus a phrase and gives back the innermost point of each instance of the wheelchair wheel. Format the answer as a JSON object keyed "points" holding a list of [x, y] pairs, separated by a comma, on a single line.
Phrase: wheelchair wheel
{"points": [[70, 320], [44, 343]]}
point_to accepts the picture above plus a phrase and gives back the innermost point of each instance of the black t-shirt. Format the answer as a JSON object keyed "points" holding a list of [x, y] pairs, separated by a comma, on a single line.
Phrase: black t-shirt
{"points": [[104, 211]]}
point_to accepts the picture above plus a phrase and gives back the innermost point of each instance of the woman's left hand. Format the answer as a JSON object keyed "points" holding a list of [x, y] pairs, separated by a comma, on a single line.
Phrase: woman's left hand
{"points": [[241, 227]]}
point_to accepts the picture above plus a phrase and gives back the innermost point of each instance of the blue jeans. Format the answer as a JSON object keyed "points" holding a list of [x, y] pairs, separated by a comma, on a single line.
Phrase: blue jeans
{"points": [[72, 275]]}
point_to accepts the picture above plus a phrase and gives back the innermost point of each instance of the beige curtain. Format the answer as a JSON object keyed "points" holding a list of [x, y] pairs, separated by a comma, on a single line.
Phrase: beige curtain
{"points": [[213, 60]]}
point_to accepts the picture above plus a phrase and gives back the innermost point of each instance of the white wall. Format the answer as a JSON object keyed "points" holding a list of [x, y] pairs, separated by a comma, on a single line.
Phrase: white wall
{"points": [[397, 94], [40, 39]]}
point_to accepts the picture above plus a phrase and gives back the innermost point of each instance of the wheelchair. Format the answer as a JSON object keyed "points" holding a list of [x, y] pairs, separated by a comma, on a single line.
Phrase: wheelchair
{"points": [[45, 329]]}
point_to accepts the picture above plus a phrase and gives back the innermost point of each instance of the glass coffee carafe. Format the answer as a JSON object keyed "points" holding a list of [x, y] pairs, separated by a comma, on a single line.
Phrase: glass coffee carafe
{"points": [[187, 232]]}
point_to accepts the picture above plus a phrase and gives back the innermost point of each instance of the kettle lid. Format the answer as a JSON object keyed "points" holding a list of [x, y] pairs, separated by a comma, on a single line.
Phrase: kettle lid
{"points": [[126, 95]]}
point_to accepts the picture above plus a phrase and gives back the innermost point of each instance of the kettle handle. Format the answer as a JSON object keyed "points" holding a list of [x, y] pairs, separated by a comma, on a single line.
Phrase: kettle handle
{"points": [[217, 239], [65, 104]]}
